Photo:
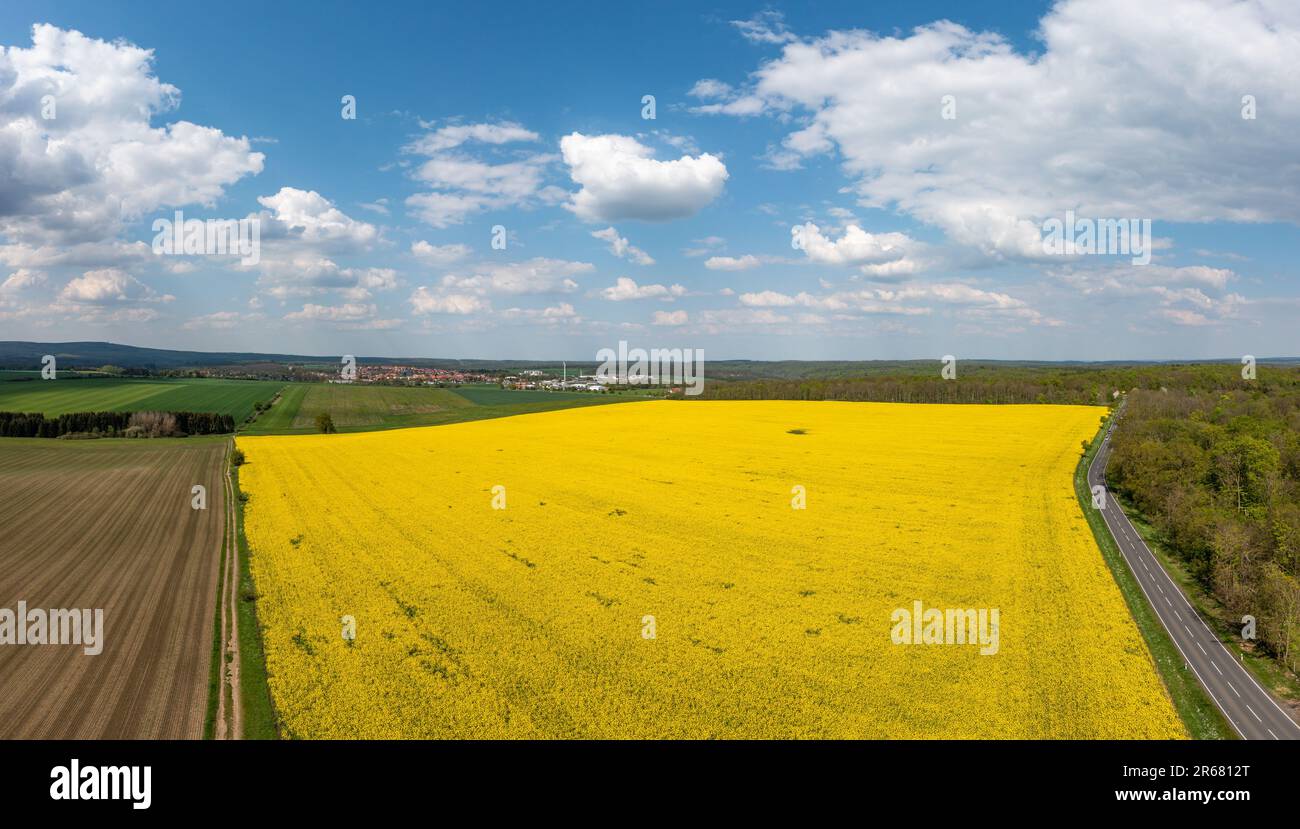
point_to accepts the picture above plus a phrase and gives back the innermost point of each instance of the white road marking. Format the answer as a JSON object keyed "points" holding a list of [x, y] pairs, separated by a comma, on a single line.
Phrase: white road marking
{"points": [[1198, 644], [1140, 547], [1188, 602], [1275, 737]]}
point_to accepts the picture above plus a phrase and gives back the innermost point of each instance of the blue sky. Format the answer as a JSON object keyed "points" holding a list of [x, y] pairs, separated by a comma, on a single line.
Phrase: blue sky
{"points": [[916, 147]]}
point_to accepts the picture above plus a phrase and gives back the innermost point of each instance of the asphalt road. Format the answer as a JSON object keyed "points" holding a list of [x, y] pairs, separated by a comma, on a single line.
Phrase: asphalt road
{"points": [[1252, 711]]}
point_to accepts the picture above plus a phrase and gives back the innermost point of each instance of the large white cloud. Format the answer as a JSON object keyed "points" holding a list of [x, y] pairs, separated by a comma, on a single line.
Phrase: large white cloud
{"points": [[99, 161], [1129, 109], [310, 217], [303, 235], [109, 286], [855, 247], [103, 295], [621, 179]]}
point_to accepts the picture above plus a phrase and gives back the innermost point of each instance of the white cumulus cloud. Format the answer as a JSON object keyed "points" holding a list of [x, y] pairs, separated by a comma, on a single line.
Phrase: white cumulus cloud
{"points": [[626, 288], [1107, 120], [100, 161], [678, 317], [439, 254], [732, 263], [620, 179], [425, 301], [622, 248]]}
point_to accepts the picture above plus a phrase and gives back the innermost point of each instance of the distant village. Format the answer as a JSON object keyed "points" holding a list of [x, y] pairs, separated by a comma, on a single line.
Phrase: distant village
{"points": [[524, 380], [406, 375], [413, 375]]}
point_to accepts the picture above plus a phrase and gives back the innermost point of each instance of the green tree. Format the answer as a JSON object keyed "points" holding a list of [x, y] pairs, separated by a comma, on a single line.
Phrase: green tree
{"points": [[325, 423], [1245, 468]]}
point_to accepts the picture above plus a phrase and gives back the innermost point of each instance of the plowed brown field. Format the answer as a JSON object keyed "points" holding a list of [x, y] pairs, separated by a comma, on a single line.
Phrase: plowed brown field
{"points": [[109, 524]]}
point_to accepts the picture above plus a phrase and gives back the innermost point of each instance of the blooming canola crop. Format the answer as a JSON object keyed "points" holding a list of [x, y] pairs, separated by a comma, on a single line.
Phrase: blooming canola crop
{"points": [[695, 569]]}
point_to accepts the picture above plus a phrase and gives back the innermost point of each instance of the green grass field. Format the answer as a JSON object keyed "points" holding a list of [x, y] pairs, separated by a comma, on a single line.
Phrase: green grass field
{"points": [[363, 408], [56, 397], [284, 409], [359, 408], [497, 396]]}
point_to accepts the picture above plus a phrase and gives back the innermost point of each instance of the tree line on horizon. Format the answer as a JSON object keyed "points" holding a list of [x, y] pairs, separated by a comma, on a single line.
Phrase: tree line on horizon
{"points": [[993, 384]]}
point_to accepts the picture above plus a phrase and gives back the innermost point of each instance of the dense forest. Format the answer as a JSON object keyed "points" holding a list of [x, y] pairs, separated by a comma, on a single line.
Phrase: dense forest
{"points": [[114, 424], [1210, 458], [1217, 471]]}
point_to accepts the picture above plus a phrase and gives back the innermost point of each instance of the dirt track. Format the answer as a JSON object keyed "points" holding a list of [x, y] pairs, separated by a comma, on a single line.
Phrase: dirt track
{"points": [[102, 524], [230, 720]]}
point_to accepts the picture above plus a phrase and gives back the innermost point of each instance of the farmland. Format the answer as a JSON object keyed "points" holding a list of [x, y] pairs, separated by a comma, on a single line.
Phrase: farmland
{"points": [[55, 397], [353, 407], [358, 407], [648, 576], [109, 525]]}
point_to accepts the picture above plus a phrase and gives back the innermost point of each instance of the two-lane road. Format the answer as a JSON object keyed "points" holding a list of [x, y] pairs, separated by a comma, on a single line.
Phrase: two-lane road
{"points": [[1252, 711]]}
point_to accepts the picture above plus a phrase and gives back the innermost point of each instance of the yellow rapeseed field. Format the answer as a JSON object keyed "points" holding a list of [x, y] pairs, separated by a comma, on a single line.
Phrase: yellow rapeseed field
{"points": [[649, 576]]}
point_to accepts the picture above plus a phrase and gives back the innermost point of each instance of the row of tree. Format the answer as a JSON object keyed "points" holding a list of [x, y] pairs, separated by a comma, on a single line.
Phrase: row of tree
{"points": [[115, 424]]}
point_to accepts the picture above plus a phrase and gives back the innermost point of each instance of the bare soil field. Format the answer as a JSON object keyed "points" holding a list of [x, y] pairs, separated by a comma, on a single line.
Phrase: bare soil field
{"points": [[109, 524]]}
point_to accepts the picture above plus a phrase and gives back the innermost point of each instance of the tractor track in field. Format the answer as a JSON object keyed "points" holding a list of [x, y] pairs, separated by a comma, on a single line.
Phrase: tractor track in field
{"points": [[229, 722]]}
